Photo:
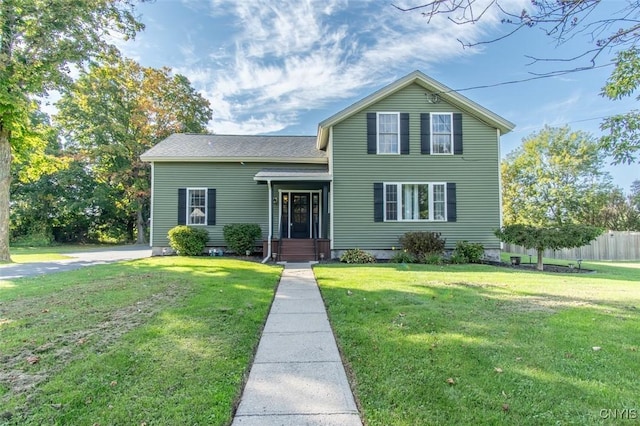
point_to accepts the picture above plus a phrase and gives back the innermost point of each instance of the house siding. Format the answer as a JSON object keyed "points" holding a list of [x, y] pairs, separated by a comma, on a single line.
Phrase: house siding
{"points": [[239, 199], [475, 172]]}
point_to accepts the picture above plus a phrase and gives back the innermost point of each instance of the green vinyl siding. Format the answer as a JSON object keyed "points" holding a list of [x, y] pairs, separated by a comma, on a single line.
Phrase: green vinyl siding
{"points": [[475, 172], [239, 199]]}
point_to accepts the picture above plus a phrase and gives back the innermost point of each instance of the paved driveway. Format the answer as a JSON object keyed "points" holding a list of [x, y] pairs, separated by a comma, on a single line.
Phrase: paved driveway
{"points": [[79, 259]]}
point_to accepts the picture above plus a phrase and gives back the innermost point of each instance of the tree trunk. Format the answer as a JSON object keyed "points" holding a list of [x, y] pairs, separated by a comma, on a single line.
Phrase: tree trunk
{"points": [[540, 266], [141, 229], [5, 183]]}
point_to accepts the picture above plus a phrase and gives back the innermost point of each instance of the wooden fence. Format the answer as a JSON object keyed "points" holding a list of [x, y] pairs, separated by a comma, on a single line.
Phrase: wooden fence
{"points": [[612, 245]]}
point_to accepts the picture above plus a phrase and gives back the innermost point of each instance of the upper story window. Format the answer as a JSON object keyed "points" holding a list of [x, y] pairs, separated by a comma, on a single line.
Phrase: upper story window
{"points": [[441, 133], [196, 206], [388, 133]]}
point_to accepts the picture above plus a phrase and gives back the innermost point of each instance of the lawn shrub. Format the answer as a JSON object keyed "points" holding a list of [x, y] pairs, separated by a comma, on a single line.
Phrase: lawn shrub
{"points": [[402, 257], [432, 259], [420, 244], [187, 241], [458, 259], [471, 252], [357, 256], [241, 237]]}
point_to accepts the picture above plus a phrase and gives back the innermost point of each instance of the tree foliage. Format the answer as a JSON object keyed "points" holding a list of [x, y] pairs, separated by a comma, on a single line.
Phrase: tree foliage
{"points": [[39, 43], [115, 112], [542, 238], [552, 178]]}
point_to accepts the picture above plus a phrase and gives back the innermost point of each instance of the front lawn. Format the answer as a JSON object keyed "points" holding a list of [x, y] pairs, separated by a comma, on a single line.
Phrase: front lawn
{"points": [[476, 344], [166, 340]]}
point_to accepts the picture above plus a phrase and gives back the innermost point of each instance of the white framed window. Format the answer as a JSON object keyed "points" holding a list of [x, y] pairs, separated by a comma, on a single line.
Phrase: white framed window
{"points": [[415, 201], [388, 127], [442, 133], [196, 206]]}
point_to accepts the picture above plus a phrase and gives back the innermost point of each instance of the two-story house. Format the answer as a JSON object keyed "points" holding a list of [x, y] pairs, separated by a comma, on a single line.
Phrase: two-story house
{"points": [[413, 156]]}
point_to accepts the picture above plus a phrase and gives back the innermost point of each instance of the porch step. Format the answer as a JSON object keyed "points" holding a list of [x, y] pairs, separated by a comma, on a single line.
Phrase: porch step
{"points": [[294, 249]]}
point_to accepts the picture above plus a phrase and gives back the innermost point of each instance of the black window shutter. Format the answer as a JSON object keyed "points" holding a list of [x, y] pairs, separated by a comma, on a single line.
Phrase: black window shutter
{"points": [[404, 133], [182, 206], [211, 206], [378, 202], [425, 133], [372, 133], [457, 133], [452, 213]]}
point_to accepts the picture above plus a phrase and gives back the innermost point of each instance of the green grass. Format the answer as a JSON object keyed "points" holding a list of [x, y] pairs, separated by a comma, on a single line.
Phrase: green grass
{"points": [[164, 340], [517, 345]]}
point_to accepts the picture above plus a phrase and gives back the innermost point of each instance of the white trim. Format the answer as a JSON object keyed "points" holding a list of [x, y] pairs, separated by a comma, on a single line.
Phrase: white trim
{"points": [[499, 176], [153, 175], [432, 133], [378, 114], [209, 159], [399, 211], [330, 198], [206, 206]]}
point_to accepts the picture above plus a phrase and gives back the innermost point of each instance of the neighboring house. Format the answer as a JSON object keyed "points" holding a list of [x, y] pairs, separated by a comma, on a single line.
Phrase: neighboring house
{"points": [[413, 156]]}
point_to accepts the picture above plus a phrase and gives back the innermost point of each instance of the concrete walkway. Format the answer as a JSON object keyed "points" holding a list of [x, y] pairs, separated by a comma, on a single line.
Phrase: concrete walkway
{"points": [[297, 377]]}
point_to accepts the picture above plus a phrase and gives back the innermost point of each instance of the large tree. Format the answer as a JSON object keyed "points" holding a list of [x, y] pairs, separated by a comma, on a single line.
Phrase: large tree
{"points": [[552, 178], [115, 112], [606, 27], [39, 42]]}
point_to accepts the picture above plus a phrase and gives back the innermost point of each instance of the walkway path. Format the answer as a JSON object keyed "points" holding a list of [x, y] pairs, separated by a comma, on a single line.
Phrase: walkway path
{"points": [[297, 377]]}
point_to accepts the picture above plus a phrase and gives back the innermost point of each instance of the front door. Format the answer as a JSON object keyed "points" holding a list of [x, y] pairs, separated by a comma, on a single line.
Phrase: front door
{"points": [[300, 215]]}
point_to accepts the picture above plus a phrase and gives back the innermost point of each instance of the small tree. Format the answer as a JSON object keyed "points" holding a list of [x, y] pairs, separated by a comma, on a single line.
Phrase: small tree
{"points": [[540, 239]]}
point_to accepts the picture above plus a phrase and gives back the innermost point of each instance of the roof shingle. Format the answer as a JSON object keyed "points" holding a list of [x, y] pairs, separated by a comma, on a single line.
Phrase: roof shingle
{"points": [[203, 147]]}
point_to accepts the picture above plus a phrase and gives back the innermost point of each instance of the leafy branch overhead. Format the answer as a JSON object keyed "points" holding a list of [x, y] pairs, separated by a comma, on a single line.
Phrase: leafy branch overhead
{"points": [[606, 27]]}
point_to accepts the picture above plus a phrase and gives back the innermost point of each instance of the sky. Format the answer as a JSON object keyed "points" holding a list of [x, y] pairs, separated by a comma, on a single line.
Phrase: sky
{"points": [[282, 66]]}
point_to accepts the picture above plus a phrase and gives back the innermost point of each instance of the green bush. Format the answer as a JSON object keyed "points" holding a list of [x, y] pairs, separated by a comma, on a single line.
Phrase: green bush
{"points": [[241, 237], [457, 258], [471, 252], [432, 259], [187, 241], [420, 244], [402, 257], [357, 256]]}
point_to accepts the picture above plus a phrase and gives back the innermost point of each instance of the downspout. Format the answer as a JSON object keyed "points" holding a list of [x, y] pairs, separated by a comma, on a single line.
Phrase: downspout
{"points": [[270, 236]]}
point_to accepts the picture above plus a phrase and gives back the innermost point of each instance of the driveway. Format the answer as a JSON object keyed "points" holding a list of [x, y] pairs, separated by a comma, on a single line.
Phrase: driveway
{"points": [[79, 259]]}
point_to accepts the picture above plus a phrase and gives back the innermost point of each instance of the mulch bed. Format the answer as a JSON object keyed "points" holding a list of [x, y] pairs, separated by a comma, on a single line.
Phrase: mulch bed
{"points": [[548, 267]]}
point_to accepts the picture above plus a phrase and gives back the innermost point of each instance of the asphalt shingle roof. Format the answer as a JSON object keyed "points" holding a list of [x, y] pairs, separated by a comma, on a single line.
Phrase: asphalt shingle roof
{"points": [[201, 146]]}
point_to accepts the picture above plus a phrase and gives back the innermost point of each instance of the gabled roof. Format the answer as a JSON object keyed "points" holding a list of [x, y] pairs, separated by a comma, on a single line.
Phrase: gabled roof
{"points": [[231, 148], [443, 92]]}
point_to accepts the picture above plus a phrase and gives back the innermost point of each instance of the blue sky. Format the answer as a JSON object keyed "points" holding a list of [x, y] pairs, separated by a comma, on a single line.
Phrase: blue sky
{"points": [[282, 66]]}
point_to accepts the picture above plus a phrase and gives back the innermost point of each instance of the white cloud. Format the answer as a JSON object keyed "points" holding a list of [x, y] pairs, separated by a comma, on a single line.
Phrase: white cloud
{"points": [[293, 55]]}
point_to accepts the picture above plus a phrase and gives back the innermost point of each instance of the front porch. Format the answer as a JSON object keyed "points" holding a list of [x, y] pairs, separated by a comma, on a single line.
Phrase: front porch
{"points": [[299, 214]]}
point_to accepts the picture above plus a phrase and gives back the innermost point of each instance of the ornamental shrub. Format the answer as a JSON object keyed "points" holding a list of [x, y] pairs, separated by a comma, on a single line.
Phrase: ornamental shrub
{"points": [[357, 256], [188, 241], [402, 257], [471, 252], [241, 237], [421, 244]]}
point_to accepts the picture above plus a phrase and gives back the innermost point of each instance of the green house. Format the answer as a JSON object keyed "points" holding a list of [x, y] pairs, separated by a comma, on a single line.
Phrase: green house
{"points": [[413, 156]]}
